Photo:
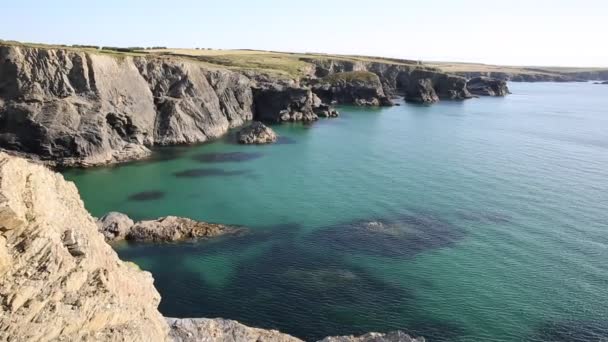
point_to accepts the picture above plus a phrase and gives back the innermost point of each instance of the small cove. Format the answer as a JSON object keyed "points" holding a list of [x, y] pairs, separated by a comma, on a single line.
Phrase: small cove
{"points": [[493, 216]]}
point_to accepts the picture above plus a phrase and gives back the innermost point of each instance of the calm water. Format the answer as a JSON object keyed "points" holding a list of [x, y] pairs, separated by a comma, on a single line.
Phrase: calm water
{"points": [[494, 213]]}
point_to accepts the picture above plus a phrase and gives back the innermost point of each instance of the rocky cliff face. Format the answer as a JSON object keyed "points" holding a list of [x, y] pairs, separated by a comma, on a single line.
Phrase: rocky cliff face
{"points": [[77, 108], [362, 88], [486, 86], [58, 277], [59, 280]]}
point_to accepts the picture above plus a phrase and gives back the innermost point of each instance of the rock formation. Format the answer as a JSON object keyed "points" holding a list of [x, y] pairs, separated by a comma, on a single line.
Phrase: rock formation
{"points": [[117, 226], [277, 103], [59, 279], [361, 88], [205, 329], [70, 107], [256, 133], [486, 86], [395, 336]]}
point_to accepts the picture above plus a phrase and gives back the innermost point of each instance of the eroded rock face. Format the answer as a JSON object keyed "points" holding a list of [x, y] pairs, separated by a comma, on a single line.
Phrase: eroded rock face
{"points": [[256, 133], [78, 108], [425, 86], [361, 88], [58, 277], [486, 86], [278, 103]]}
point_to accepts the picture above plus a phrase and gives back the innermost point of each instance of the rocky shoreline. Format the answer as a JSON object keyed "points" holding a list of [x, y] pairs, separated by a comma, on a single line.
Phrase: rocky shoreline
{"points": [[66, 107], [60, 280]]}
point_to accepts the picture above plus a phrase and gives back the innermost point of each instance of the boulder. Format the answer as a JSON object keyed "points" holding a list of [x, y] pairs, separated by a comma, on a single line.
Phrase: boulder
{"points": [[256, 133], [486, 86], [394, 336], [205, 329], [115, 225]]}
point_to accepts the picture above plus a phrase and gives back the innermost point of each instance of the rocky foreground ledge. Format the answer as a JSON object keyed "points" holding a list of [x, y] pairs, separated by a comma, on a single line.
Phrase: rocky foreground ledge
{"points": [[60, 280]]}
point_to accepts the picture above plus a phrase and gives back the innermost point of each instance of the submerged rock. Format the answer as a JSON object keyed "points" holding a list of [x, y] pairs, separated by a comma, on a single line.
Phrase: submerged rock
{"points": [[256, 133], [487, 86]]}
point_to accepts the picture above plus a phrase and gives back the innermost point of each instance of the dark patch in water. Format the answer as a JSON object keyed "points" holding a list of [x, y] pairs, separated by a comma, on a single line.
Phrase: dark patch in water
{"points": [[282, 140], [210, 172], [405, 236], [218, 157], [289, 285], [167, 153], [572, 331], [147, 195], [492, 217]]}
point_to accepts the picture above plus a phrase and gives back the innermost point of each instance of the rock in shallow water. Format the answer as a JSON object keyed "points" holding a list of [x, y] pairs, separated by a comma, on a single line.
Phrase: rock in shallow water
{"points": [[256, 133], [115, 225]]}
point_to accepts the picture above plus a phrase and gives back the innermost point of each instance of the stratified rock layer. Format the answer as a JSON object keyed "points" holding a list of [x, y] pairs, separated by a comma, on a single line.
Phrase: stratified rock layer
{"points": [[58, 277]]}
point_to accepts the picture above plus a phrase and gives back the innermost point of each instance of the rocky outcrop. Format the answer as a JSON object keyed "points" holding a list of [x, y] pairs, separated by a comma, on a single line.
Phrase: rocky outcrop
{"points": [[426, 86], [204, 329], [486, 86], [208, 330], [278, 103], [59, 279], [361, 88], [395, 336], [79, 108], [117, 226], [256, 133]]}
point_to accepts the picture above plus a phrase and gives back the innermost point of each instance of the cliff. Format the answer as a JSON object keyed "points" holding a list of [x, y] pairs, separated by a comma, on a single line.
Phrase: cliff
{"points": [[59, 280], [81, 107]]}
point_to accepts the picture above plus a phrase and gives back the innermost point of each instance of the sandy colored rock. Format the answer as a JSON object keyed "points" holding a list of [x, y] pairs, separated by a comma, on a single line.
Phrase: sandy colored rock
{"points": [[115, 225], [58, 277]]}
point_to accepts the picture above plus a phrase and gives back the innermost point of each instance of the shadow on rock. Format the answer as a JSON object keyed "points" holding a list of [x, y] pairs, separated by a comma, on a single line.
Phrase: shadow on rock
{"points": [[209, 172], [219, 157], [405, 236]]}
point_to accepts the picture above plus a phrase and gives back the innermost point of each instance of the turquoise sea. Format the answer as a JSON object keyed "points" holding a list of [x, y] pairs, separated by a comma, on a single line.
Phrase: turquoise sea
{"points": [[482, 220]]}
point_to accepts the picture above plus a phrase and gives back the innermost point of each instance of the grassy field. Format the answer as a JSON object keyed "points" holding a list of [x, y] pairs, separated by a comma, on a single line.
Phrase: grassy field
{"points": [[294, 65]]}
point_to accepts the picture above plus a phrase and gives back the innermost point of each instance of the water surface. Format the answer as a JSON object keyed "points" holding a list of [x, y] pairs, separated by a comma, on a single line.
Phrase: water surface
{"points": [[483, 220]]}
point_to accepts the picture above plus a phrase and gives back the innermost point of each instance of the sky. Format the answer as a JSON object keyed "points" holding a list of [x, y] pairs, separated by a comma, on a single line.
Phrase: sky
{"points": [[514, 32]]}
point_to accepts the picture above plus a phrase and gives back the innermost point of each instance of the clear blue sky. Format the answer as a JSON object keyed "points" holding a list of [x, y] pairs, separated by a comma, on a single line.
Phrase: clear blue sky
{"points": [[514, 32]]}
